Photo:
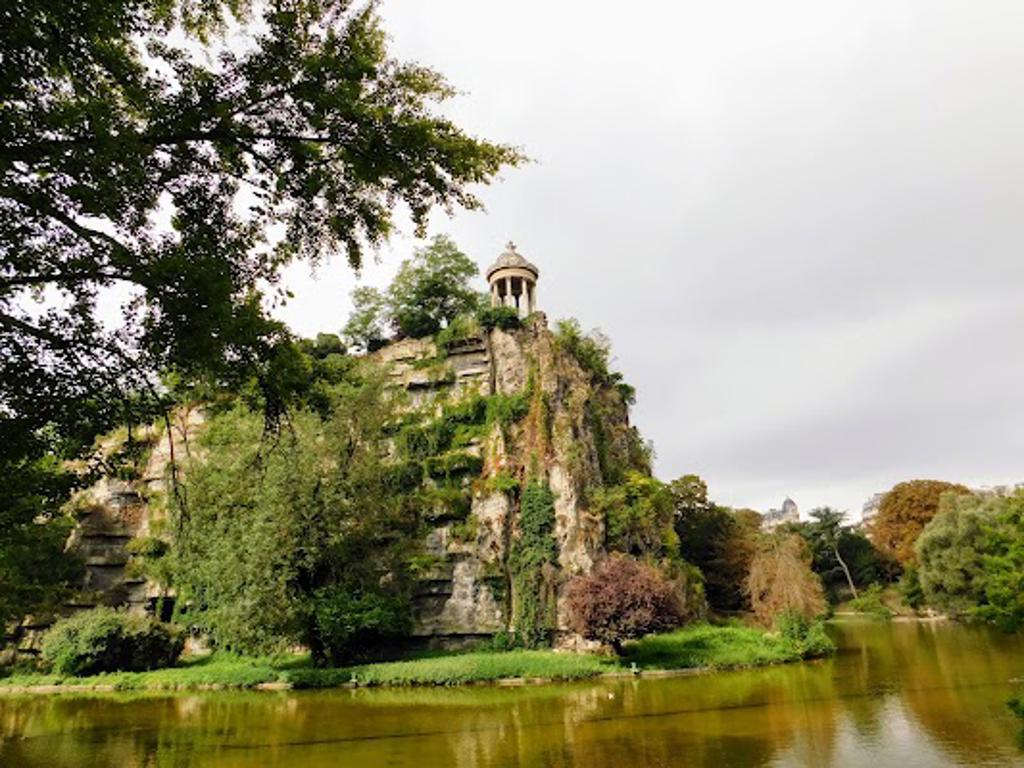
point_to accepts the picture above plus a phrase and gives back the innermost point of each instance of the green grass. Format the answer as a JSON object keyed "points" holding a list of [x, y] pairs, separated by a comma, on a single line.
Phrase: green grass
{"points": [[1016, 706], [223, 670], [699, 646], [712, 647], [481, 666]]}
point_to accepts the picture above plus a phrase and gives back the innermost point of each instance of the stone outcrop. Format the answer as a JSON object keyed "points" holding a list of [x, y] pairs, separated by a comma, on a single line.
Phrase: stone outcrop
{"points": [[575, 427]]}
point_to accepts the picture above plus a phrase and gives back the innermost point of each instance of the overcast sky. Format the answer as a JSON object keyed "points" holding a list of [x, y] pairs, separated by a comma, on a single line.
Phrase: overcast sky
{"points": [[801, 223]]}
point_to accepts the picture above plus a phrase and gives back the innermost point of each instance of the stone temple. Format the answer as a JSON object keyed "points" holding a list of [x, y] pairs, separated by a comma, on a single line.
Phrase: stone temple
{"points": [[513, 282]]}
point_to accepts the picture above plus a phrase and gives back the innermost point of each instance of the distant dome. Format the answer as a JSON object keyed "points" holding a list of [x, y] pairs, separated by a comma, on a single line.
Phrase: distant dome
{"points": [[511, 258]]}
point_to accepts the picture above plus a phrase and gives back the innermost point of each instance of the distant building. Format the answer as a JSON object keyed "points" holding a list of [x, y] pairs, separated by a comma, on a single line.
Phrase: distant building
{"points": [[773, 518]]}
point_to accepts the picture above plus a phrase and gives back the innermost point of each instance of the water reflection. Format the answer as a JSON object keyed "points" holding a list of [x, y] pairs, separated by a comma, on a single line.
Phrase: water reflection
{"points": [[897, 694]]}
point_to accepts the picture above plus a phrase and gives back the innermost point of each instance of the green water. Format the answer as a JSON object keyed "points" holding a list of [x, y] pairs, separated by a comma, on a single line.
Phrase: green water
{"points": [[897, 694]]}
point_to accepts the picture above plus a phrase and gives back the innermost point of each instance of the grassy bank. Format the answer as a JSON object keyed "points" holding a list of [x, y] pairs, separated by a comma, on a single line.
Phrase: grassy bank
{"points": [[699, 646], [711, 647]]}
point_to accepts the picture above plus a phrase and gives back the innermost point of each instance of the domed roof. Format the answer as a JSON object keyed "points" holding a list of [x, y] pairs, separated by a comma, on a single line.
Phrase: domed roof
{"points": [[511, 258]]}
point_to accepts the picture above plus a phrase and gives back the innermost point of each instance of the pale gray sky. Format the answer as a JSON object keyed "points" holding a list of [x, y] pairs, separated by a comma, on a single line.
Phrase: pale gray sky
{"points": [[801, 223]]}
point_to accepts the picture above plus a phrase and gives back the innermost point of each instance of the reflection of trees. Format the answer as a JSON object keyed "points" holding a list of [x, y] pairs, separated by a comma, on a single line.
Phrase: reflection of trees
{"points": [[946, 683]]}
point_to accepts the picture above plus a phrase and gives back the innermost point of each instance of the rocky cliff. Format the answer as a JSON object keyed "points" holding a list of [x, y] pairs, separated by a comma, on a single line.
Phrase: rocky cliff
{"points": [[573, 434]]}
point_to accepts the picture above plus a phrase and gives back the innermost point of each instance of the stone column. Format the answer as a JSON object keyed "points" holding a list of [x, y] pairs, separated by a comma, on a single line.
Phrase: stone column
{"points": [[494, 294], [509, 301]]}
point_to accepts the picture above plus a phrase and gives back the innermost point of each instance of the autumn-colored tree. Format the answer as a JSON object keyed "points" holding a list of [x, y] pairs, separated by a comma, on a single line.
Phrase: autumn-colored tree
{"points": [[903, 514], [781, 581], [623, 598]]}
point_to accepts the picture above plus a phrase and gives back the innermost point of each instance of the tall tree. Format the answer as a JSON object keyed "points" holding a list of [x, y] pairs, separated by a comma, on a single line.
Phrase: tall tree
{"points": [[720, 541], [823, 535], [903, 514], [781, 580], [432, 288], [951, 549]]}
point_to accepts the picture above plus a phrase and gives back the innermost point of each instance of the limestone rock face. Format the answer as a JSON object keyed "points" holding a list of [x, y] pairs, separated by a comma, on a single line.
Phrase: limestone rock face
{"points": [[572, 423]]}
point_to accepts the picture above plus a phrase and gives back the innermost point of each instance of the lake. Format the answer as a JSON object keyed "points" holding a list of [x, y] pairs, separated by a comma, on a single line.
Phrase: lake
{"points": [[900, 694]]}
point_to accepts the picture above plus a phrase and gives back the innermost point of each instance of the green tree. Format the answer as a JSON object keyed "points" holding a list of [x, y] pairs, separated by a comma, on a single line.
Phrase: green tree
{"points": [[824, 535], [1004, 566], [638, 516], [366, 328], [432, 288], [719, 541], [951, 550], [307, 537], [904, 512], [34, 570]]}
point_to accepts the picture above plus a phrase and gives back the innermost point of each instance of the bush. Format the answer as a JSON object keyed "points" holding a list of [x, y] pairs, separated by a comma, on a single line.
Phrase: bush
{"points": [[348, 623], [870, 602], [622, 599], [807, 638], [506, 318], [105, 640], [1016, 706], [910, 588]]}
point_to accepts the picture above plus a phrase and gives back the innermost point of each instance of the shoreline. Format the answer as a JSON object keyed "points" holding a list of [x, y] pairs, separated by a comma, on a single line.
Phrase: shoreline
{"points": [[697, 650], [282, 686]]}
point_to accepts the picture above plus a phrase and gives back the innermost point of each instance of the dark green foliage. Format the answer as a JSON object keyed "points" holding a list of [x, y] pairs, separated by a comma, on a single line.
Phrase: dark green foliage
{"points": [[455, 464], [910, 588], [366, 328], [505, 318], [720, 541], [355, 625], [1004, 566], [532, 559], [265, 529], [445, 501], [459, 329], [1016, 706], [432, 289], [507, 409], [638, 517], [34, 570], [592, 350], [403, 477], [951, 552], [105, 640], [869, 601]]}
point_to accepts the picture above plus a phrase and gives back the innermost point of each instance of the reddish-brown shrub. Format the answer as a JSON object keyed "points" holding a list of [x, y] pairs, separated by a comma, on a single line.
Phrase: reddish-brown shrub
{"points": [[623, 599], [781, 581]]}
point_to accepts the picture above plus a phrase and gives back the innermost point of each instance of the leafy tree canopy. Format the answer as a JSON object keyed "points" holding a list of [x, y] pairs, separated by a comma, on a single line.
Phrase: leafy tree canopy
{"points": [[720, 541], [781, 582], [309, 538], [904, 512], [950, 552], [139, 151], [432, 288]]}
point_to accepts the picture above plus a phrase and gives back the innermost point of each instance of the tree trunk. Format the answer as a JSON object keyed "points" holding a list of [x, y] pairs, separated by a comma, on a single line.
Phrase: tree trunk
{"points": [[842, 564]]}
